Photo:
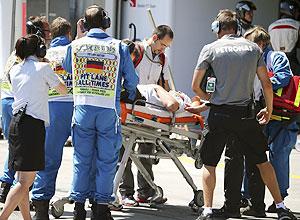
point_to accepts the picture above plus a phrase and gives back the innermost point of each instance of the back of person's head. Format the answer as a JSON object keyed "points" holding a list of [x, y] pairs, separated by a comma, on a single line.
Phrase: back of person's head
{"points": [[163, 30], [258, 35], [29, 45], [242, 7], [60, 27], [35, 25], [289, 9], [130, 44], [96, 17], [225, 21]]}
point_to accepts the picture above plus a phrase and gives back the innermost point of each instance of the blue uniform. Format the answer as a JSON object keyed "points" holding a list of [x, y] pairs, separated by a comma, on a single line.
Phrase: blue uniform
{"points": [[285, 140], [61, 111], [7, 99], [98, 64]]}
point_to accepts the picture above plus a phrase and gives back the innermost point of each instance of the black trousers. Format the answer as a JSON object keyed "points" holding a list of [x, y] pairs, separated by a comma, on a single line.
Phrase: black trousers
{"points": [[233, 128], [233, 177]]}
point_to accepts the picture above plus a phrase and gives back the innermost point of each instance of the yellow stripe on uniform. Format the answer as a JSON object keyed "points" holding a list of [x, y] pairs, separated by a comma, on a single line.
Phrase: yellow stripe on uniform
{"points": [[279, 92], [60, 72], [279, 118], [297, 99], [93, 70]]}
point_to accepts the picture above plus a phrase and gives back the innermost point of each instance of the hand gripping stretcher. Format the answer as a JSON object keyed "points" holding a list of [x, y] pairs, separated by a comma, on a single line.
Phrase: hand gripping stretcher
{"points": [[141, 124]]}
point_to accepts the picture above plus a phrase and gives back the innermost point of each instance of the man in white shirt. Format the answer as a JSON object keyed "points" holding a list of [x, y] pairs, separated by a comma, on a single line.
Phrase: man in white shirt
{"points": [[152, 67], [284, 32]]}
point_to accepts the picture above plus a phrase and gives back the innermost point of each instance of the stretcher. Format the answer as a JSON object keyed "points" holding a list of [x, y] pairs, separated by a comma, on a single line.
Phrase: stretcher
{"points": [[167, 131]]}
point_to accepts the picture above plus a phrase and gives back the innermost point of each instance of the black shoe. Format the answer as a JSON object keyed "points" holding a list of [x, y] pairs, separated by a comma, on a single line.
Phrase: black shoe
{"points": [[5, 187], [250, 211], [102, 212], [244, 203], [224, 213], [41, 208], [285, 214], [205, 217], [272, 208], [79, 212]]}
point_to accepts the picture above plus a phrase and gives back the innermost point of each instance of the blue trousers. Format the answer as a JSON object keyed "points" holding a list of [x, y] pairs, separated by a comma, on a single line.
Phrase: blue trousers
{"points": [[96, 136], [8, 175], [56, 136], [280, 150]]}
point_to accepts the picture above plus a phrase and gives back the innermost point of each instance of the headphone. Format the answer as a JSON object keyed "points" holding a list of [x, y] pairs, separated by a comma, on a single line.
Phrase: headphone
{"points": [[105, 20], [215, 27], [33, 29], [40, 47]]}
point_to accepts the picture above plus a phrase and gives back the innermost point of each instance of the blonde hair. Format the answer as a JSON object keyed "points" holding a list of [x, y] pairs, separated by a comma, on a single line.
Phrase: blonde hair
{"points": [[257, 35]]}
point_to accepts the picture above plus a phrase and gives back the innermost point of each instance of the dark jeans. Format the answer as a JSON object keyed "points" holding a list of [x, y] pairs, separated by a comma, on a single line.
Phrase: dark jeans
{"points": [[127, 183]]}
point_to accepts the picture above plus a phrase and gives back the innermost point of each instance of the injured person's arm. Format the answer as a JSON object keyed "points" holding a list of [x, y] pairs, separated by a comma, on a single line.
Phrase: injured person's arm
{"points": [[173, 101], [166, 99]]}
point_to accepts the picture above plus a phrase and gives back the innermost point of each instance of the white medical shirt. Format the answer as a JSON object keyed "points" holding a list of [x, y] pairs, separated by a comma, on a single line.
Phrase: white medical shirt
{"points": [[31, 81], [149, 69]]}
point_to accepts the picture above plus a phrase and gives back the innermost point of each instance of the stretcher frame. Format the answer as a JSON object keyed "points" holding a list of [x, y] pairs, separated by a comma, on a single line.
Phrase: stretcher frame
{"points": [[135, 130]]}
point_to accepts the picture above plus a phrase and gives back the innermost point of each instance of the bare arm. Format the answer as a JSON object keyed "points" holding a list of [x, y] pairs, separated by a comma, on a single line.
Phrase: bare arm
{"points": [[166, 99], [61, 88], [165, 86], [265, 114], [197, 78]]}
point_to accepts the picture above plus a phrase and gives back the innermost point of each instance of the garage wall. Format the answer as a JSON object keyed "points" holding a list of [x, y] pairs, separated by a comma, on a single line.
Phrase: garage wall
{"points": [[192, 31]]}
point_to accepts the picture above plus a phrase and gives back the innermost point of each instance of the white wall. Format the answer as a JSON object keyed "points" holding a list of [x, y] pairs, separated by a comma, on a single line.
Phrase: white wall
{"points": [[190, 20], [5, 36]]}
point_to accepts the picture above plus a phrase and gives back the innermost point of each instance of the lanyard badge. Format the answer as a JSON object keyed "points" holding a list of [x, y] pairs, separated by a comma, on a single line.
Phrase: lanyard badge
{"points": [[211, 84]]}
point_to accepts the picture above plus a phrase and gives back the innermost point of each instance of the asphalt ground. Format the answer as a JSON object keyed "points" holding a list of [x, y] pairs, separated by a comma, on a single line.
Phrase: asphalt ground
{"points": [[175, 188]]}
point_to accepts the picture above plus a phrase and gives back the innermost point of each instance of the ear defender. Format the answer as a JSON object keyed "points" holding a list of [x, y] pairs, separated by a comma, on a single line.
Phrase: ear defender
{"points": [[215, 27], [33, 29], [41, 48], [105, 20]]}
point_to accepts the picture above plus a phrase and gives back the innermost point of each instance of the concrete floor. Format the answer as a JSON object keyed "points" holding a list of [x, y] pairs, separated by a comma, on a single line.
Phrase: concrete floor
{"points": [[175, 188]]}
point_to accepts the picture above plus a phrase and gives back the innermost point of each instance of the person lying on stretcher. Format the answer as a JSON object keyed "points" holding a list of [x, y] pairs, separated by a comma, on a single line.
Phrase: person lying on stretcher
{"points": [[173, 101]]}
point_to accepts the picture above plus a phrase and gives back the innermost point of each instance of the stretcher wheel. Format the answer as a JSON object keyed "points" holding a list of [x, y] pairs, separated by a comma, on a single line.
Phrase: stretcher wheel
{"points": [[198, 198], [57, 212], [198, 163], [193, 206]]}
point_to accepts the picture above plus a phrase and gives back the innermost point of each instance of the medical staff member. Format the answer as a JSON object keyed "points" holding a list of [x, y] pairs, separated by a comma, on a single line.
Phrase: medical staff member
{"points": [[231, 109], [282, 134], [35, 25], [30, 82], [152, 69], [61, 111], [284, 32], [99, 64]]}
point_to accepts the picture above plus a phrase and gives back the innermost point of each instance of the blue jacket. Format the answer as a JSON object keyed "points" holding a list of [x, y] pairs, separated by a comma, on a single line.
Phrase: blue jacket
{"points": [[126, 68], [278, 63], [60, 41]]}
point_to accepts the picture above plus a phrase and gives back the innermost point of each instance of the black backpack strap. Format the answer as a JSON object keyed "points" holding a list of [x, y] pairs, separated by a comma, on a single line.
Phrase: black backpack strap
{"points": [[162, 59]]}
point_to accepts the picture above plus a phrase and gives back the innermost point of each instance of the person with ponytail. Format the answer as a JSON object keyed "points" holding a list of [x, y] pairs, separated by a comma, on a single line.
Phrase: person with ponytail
{"points": [[30, 81]]}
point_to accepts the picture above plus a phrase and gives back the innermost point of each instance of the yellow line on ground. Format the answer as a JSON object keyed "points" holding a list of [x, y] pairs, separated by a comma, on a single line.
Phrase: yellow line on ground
{"points": [[189, 160]]}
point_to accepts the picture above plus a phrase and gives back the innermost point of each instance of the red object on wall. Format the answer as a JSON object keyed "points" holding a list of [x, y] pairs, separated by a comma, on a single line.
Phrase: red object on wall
{"points": [[132, 3], [24, 15]]}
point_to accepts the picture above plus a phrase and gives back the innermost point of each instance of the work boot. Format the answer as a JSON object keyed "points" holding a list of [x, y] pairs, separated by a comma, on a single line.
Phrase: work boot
{"points": [[41, 208], [5, 187], [79, 211], [102, 212]]}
